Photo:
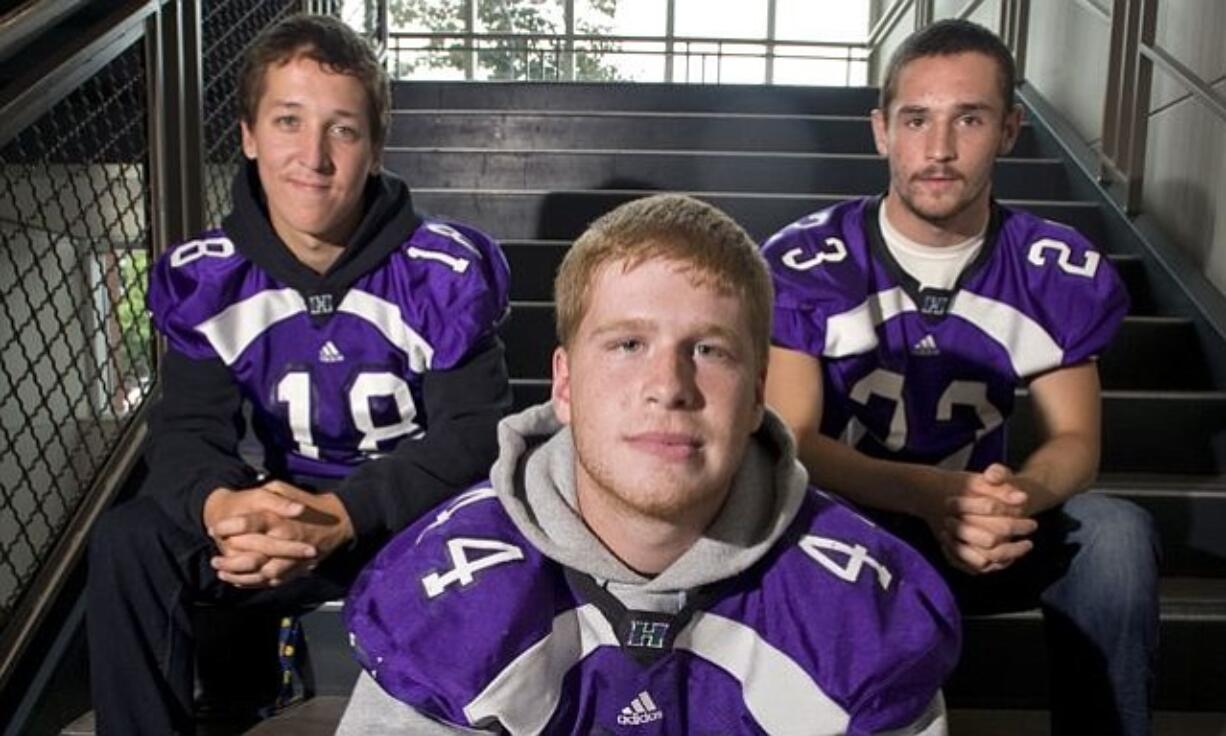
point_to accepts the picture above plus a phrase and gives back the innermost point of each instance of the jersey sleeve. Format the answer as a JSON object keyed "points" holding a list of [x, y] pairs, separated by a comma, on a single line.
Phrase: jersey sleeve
{"points": [[464, 279], [1080, 294], [447, 604], [819, 274], [187, 285], [885, 600]]}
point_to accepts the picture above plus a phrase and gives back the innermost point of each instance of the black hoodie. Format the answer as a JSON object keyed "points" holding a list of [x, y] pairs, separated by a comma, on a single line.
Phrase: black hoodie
{"points": [[197, 425]]}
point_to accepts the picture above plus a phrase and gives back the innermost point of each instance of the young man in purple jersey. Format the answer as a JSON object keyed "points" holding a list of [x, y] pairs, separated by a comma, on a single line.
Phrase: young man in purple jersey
{"points": [[647, 557], [906, 322], [361, 337]]}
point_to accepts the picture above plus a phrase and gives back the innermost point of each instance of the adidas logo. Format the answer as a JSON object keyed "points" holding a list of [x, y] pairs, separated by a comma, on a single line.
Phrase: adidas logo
{"points": [[641, 710], [329, 354], [926, 347]]}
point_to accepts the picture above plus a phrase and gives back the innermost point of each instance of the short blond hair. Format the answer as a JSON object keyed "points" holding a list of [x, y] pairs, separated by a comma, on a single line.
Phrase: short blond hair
{"points": [[670, 227]]}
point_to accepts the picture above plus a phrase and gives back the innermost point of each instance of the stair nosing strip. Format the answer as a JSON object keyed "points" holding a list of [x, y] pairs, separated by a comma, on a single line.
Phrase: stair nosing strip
{"points": [[689, 152]]}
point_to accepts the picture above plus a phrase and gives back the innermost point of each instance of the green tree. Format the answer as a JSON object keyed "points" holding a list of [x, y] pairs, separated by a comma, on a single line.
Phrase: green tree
{"points": [[507, 58]]}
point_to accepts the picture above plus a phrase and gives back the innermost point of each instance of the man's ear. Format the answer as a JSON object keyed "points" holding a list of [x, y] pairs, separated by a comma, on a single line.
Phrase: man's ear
{"points": [[1011, 127], [249, 147], [879, 123], [560, 390]]}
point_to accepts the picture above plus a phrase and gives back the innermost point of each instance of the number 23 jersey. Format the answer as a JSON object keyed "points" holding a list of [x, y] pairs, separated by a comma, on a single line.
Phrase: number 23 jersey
{"points": [[333, 380], [928, 375]]}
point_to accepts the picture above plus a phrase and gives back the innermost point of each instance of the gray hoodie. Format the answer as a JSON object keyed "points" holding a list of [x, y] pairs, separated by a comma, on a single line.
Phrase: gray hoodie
{"points": [[534, 480]]}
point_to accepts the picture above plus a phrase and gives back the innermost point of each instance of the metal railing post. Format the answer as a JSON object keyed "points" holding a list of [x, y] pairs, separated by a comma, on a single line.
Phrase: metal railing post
{"points": [[670, 32], [568, 45], [1141, 78], [771, 35], [1126, 103], [1014, 23], [191, 118], [470, 30]]}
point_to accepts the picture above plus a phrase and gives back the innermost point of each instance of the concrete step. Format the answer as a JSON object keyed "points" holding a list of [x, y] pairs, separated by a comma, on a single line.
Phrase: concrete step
{"points": [[1191, 669], [535, 262], [711, 98], [320, 716], [1138, 359], [1189, 512], [1183, 433], [651, 130], [696, 171], [971, 722], [539, 214], [1175, 432]]}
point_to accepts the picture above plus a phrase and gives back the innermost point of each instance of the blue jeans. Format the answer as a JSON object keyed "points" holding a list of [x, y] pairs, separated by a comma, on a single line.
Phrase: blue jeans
{"points": [[1094, 574]]}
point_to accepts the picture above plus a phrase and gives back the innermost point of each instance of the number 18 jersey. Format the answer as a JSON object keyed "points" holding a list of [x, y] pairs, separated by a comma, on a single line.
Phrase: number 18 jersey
{"points": [[928, 375], [333, 379]]}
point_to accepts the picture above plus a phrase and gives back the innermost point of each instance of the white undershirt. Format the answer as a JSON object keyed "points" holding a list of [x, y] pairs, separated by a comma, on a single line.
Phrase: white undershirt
{"points": [[935, 267]]}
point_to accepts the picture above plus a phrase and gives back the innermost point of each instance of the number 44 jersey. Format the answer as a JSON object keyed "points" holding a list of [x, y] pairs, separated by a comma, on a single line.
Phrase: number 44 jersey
{"points": [[333, 377], [927, 375], [793, 615]]}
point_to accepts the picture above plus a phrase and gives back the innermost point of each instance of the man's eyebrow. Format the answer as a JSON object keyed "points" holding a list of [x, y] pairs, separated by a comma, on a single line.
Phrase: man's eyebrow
{"points": [[721, 331], [624, 325], [295, 105], [705, 329], [961, 107]]}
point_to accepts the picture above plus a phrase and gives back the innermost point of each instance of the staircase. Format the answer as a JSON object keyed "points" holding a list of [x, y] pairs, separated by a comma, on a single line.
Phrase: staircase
{"points": [[534, 163]]}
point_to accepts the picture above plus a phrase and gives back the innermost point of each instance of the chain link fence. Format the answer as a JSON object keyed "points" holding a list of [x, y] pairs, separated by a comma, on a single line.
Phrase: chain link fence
{"points": [[76, 353], [228, 28]]}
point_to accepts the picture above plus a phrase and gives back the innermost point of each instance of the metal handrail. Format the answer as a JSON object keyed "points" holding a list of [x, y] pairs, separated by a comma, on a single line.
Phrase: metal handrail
{"points": [[1190, 80], [23, 100], [46, 83], [1095, 10], [22, 24], [968, 9], [563, 38], [886, 23]]}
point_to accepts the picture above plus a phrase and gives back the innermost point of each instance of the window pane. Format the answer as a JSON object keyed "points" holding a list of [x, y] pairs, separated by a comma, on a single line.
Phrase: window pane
{"points": [[721, 18], [822, 20], [521, 16], [629, 17]]}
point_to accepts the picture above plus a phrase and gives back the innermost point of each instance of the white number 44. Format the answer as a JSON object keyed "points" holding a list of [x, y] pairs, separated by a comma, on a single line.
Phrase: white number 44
{"points": [[463, 566], [857, 558]]}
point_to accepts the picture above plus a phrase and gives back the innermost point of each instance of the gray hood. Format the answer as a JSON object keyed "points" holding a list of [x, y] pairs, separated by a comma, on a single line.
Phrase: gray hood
{"points": [[535, 480]]}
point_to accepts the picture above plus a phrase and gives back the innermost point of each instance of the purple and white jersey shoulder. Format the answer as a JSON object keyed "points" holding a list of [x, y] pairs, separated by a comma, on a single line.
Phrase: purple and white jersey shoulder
{"points": [[928, 375], [333, 384], [839, 628]]}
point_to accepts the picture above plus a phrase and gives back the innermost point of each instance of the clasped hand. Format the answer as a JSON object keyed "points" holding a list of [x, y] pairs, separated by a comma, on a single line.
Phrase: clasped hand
{"points": [[272, 533], [983, 523]]}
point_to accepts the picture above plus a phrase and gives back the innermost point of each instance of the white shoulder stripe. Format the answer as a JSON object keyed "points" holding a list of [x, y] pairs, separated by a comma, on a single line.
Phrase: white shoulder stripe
{"points": [[234, 328], [777, 691], [525, 694], [385, 317], [1031, 350], [855, 331]]}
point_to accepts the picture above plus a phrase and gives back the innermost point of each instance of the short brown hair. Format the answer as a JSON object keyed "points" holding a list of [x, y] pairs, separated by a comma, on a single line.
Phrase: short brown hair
{"points": [[671, 227], [946, 38], [336, 46]]}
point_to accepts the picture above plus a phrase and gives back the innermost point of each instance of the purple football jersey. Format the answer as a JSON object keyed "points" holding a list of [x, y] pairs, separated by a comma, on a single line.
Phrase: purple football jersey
{"points": [[332, 385], [928, 375], [839, 628]]}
